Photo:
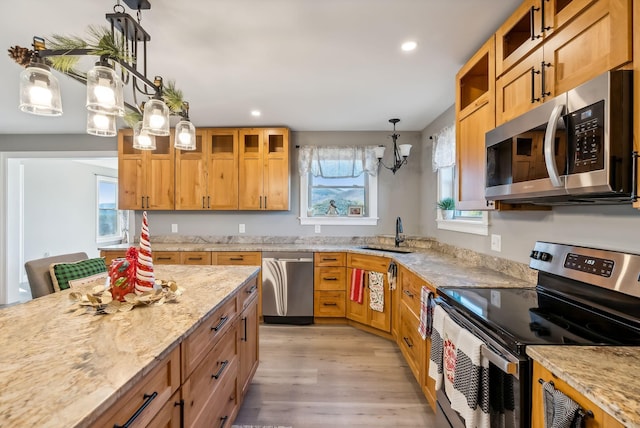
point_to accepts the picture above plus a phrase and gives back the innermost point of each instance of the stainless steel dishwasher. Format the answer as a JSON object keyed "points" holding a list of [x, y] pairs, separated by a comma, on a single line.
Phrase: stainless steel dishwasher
{"points": [[287, 287]]}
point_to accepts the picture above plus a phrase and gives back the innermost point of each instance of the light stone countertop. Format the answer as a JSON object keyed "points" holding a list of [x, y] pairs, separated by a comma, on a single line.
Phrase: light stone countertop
{"points": [[606, 375], [61, 369]]}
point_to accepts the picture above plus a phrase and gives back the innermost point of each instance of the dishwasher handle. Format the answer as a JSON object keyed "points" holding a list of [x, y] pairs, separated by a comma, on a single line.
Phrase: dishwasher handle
{"points": [[301, 260]]}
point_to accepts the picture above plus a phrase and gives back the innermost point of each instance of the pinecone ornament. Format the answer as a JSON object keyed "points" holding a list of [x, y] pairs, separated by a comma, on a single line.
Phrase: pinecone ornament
{"points": [[20, 55]]}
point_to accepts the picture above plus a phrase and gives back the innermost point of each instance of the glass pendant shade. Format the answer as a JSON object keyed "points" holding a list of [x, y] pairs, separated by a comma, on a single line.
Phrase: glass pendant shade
{"points": [[142, 140], [39, 91], [185, 136], [105, 91], [155, 119], [404, 150], [379, 152], [100, 124]]}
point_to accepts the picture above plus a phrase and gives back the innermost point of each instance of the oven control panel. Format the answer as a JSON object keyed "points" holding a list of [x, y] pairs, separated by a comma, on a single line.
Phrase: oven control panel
{"points": [[592, 265]]}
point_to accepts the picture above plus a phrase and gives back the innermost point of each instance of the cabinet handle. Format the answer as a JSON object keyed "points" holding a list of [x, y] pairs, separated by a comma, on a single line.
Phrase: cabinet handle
{"points": [[195, 258], [236, 259], [252, 289], [543, 27], [533, 86], [142, 202], [265, 202], [222, 322], [408, 293], [244, 320], [147, 202], [544, 80], [326, 259], [163, 258], [208, 201], [223, 421], [406, 340], [223, 366], [531, 23], [260, 202], [330, 278], [329, 304], [147, 400]]}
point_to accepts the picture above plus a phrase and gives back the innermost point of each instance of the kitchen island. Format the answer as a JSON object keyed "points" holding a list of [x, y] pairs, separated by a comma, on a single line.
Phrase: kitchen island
{"points": [[65, 369]]}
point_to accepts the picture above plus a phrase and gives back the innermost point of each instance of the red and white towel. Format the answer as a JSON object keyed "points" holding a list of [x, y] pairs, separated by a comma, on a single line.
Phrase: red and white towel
{"points": [[426, 312], [376, 291], [357, 285]]}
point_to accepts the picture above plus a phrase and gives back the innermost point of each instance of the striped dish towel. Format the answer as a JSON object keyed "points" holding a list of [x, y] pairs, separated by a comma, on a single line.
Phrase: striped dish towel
{"points": [[426, 312], [357, 285], [436, 360], [376, 291]]}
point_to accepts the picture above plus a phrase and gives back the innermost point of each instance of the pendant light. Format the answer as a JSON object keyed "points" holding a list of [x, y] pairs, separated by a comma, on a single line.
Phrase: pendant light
{"points": [[101, 124], [400, 151], [39, 90], [142, 140], [104, 89], [185, 136]]}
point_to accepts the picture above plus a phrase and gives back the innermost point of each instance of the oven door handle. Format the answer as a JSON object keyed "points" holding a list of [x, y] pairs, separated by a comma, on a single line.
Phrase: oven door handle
{"points": [[503, 364]]}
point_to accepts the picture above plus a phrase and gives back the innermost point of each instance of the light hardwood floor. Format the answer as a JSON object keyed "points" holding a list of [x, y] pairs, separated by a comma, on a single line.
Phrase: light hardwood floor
{"points": [[332, 376]]}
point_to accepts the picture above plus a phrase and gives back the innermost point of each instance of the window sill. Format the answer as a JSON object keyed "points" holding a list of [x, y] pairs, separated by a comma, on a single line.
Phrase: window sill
{"points": [[466, 226], [339, 221]]}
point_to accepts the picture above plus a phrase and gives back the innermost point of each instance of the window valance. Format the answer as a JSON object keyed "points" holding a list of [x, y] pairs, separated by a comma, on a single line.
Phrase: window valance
{"points": [[337, 161], [444, 148]]}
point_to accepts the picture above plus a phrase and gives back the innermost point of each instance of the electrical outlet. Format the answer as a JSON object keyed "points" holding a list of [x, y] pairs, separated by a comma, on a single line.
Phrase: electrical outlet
{"points": [[174, 228], [318, 228], [241, 228], [495, 298], [496, 243]]}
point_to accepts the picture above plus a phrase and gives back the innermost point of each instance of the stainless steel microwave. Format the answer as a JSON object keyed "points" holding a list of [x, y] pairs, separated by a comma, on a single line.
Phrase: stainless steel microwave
{"points": [[574, 149]]}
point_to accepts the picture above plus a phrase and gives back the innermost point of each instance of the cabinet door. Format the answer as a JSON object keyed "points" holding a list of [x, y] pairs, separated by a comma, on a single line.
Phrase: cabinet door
{"points": [[519, 35], [250, 182], [131, 179], [519, 90], [191, 176], [557, 13], [356, 311], [276, 169], [381, 320], [160, 178], [223, 169], [598, 40], [248, 347]]}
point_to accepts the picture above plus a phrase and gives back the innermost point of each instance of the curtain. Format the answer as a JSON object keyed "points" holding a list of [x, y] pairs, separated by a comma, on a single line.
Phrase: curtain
{"points": [[337, 161], [444, 148]]}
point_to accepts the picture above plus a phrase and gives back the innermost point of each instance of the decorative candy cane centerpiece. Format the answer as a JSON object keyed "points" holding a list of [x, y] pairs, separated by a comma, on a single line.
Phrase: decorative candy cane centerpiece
{"points": [[145, 280]]}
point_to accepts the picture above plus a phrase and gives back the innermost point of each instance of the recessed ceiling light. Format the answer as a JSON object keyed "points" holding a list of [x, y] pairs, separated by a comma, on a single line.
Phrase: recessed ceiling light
{"points": [[409, 46], [255, 113]]}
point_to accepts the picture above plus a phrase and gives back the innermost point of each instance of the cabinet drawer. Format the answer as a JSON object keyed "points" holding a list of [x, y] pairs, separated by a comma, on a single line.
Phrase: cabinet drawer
{"points": [[329, 259], [195, 258], [166, 257], [411, 344], [147, 397], [369, 263], [238, 258], [330, 278], [169, 415], [246, 293], [329, 304], [203, 387], [221, 408], [411, 289], [200, 342]]}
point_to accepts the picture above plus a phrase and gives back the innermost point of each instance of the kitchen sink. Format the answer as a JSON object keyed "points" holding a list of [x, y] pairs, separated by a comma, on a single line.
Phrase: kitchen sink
{"points": [[385, 248]]}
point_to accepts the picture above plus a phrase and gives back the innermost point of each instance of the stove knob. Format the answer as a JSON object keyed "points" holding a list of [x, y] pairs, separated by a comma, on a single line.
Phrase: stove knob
{"points": [[535, 255], [545, 257]]}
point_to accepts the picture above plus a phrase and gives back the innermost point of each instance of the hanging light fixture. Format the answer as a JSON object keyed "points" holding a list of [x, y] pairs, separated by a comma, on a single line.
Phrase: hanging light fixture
{"points": [[185, 138], [142, 140], [124, 44], [39, 89], [400, 152]]}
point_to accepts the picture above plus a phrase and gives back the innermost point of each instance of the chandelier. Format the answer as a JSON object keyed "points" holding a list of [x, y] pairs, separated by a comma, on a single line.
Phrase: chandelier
{"points": [[121, 51], [400, 152]]}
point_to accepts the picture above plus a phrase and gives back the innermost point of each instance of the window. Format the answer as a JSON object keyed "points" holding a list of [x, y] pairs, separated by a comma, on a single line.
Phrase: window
{"points": [[338, 185], [475, 222], [107, 218]]}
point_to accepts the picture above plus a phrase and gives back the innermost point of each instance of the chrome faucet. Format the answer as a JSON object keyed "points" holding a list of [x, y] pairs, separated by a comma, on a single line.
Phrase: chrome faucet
{"points": [[399, 231]]}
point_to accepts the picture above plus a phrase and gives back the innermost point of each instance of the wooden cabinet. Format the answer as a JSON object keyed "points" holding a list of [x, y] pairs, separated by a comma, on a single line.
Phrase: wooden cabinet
{"points": [[108, 256], [475, 115], [362, 313], [148, 397], [207, 177], [264, 169], [195, 257], [166, 257], [241, 258], [248, 340], [330, 285], [598, 39], [145, 178], [600, 418], [170, 415], [415, 349]]}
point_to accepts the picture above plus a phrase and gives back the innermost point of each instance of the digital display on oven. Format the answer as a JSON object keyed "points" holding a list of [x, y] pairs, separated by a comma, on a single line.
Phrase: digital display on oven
{"points": [[592, 265]]}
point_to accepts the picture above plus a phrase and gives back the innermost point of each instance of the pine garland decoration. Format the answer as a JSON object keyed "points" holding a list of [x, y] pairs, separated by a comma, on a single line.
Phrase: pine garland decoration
{"points": [[172, 97]]}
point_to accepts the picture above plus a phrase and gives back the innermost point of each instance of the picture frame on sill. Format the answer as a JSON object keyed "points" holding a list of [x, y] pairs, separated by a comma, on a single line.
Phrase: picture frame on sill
{"points": [[355, 211]]}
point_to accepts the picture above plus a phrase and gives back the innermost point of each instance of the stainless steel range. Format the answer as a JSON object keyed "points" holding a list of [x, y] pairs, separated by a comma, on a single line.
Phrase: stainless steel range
{"points": [[584, 296]]}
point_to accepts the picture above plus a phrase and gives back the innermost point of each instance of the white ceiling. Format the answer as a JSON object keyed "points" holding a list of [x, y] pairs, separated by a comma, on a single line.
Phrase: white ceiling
{"points": [[311, 65]]}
